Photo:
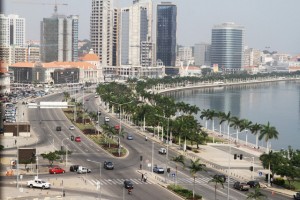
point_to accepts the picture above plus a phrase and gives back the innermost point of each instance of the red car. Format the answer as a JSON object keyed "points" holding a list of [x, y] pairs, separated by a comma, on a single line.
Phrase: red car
{"points": [[56, 170], [117, 127], [77, 139]]}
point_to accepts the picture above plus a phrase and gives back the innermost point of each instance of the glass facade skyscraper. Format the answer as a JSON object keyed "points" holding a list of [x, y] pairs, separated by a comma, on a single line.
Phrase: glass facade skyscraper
{"points": [[227, 45], [166, 28]]}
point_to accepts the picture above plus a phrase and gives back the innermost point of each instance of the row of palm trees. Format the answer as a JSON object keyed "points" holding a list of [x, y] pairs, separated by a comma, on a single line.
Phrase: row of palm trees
{"points": [[261, 131]]}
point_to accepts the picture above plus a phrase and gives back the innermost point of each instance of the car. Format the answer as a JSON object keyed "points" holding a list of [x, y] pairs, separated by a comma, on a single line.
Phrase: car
{"points": [[253, 184], [220, 176], [106, 119], [38, 183], [83, 170], [72, 127], [241, 186], [162, 151], [77, 139], [128, 184], [96, 96], [56, 170], [158, 170], [58, 128], [129, 137], [297, 196], [117, 127], [108, 165], [74, 168]]}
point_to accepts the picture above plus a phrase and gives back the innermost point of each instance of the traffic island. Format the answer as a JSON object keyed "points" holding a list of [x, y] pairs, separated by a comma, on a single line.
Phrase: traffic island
{"points": [[183, 192]]}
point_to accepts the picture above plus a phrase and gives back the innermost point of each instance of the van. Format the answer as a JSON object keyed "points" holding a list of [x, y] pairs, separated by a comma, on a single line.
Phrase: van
{"points": [[83, 170]]}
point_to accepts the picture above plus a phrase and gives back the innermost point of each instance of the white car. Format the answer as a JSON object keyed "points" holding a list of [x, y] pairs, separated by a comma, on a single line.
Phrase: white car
{"points": [[106, 119], [72, 127], [83, 170], [38, 183], [162, 151]]}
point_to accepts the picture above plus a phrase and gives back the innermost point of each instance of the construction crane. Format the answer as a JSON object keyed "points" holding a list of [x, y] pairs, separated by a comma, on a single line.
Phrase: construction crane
{"points": [[39, 3]]}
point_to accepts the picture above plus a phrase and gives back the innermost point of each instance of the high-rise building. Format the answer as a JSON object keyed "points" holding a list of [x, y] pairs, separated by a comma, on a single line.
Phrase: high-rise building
{"points": [[185, 55], [12, 31], [59, 38], [252, 57], [101, 29], [202, 54], [136, 47], [12, 39], [227, 46], [166, 28]]}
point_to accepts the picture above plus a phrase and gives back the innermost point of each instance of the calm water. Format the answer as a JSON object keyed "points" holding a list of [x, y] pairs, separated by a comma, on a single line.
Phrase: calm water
{"points": [[278, 103]]}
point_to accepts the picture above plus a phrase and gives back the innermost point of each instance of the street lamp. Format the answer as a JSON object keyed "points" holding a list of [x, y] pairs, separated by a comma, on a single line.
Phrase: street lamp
{"points": [[62, 144], [120, 128], [99, 174], [168, 139]]}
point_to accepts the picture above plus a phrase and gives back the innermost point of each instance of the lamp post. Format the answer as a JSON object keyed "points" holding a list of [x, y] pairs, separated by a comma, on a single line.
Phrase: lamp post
{"points": [[62, 144], [99, 174], [168, 138], [120, 105]]}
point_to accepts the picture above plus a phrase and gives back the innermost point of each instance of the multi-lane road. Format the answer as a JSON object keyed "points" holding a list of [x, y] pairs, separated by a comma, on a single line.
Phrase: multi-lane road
{"points": [[44, 123]]}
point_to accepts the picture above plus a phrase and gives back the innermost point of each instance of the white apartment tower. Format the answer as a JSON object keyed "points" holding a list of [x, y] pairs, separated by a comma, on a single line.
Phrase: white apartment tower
{"points": [[12, 32], [136, 46], [101, 29]]}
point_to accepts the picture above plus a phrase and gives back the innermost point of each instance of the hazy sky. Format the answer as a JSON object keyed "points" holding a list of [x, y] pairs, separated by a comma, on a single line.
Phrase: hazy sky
{"points": [[273, 23]]}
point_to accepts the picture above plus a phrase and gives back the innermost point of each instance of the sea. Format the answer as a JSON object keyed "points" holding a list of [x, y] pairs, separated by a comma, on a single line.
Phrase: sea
{"points": [[274, 102]]}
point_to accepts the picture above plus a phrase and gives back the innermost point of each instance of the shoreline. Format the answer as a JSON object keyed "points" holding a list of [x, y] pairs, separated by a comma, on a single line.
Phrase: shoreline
{"points": [[222, 136]]}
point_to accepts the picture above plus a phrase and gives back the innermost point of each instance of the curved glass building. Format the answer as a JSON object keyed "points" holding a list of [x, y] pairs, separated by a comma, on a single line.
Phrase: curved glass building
{"points": [[227, 46]]}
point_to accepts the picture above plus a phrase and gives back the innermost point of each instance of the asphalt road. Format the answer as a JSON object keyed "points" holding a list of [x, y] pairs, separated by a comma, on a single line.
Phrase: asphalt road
{"points": [[44, 122]]}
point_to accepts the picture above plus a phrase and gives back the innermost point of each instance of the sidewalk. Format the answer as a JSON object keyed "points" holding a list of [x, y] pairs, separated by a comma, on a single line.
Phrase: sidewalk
{"points": [[218, 159]]}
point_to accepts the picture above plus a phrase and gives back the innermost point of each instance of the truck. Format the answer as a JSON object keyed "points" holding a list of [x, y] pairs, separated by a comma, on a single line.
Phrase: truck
{"points": [[38, 183]]}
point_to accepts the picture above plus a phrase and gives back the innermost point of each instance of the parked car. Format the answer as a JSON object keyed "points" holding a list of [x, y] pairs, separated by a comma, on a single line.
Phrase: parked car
{"points": [[158, 170], [77, 139], [72, 127], [241, 186], [83, 170], [128, 184], [74, 168], [38, 183], [56, 170], [253, 184], [108, 165], [162, 151], [297, 196], [129, 137], [220, 176]]}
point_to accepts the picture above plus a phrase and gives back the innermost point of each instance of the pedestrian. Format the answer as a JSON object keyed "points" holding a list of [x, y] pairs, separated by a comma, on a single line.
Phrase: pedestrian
{"points": [[145, 178], [142, 177], [271, 181], [15, 142]]}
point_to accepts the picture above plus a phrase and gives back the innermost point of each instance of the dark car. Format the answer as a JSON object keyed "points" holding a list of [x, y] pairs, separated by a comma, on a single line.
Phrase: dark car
{"points": [[58, 128], [253, 184], [74, 168], [297, 196], [241, 186], [220, 176], [108, 165], [128, 184]]}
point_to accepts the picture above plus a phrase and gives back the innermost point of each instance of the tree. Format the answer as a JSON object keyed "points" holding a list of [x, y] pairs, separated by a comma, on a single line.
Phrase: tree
{"points": [[255, 129], [256, 195], [195, 167], [217, 180], [245, 125], [235, 123], [51, 157], [205, 114], [268, 132]]}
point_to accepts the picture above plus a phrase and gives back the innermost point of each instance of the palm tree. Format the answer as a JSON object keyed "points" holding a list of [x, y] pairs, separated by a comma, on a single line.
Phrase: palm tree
{"points": [[256, 195], [211, 115], [195, 167], [255, 128], [217, 180], [204, 114], [246, 125], [226, 117], [235, 123], [268, 132]]}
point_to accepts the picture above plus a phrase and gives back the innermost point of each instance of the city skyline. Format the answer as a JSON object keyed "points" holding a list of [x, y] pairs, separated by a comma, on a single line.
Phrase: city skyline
{"points": [[269, 23]]}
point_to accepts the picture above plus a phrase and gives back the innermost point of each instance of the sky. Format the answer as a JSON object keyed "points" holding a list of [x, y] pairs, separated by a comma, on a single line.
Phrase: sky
{"points": [[267, 23]]}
